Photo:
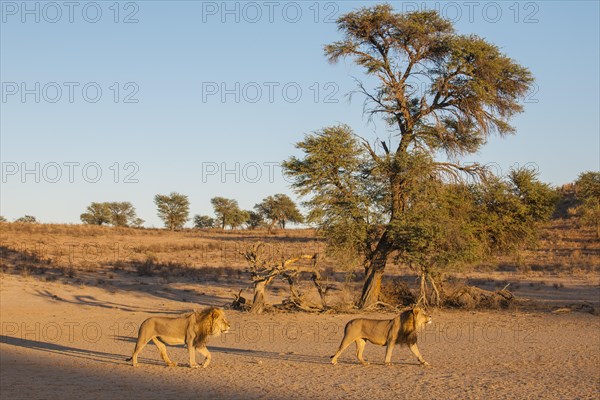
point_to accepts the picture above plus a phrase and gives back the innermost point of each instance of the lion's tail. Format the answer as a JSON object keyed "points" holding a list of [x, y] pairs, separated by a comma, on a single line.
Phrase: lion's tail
{"points": [[129, 359]]}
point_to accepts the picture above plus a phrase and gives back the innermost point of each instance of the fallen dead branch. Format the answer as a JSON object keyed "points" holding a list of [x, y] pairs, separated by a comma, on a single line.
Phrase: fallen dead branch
{"points": [[263, 269]]}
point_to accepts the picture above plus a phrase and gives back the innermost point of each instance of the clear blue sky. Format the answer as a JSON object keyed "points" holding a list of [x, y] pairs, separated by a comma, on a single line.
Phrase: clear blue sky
{"points": [[181, 62]]}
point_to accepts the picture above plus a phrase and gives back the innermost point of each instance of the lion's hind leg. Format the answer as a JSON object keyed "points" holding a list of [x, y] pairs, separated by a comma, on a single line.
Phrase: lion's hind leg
{"points": [[346, 341], [139, 345], [163, 352], [360, 347]]}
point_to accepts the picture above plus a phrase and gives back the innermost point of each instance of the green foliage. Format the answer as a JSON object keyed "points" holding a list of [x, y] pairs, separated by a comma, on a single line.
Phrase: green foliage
{"points": [[173, 209], [587, 189], [228, 212], [448, 225], [27, 219], [587, 185], [96, 214], [344, 195], [238, 218], [113, 213], [435, 231], [203, 221], [279, 209], [255, 220], [509, 211], [470, 86], [123, 214], [441, 93]]}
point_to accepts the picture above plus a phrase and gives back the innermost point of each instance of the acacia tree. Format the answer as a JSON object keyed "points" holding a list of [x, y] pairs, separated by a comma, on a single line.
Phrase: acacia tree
{"points": [[27, 219], [123, 214], [255, 220], [438, 91], [173, 209], [279, 209], [449, 225], [228, 212], [96, 214], [113, 213], [587, 189], [238, 218], [203, 221]]}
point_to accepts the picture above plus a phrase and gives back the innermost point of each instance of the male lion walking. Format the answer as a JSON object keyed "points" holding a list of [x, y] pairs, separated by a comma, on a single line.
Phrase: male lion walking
{"points": [[192, 329], [400, 330]]}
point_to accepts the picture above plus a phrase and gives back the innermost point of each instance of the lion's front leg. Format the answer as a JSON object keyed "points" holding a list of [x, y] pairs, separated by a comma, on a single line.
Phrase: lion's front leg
{"points": [[415, 351], [388, 352], [204, 351], [192, 352]]}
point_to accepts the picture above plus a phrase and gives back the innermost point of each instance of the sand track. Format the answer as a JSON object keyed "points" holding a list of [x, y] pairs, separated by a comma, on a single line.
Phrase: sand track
{"points": [[62, 341]]}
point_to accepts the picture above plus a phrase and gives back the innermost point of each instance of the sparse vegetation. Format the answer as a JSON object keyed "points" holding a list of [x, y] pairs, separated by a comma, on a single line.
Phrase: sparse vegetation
{"points": [[26, 219], [587, 189], [173, 209], [278, 209], [228, 212], [47, 250], [203, 222], [113, 213]]}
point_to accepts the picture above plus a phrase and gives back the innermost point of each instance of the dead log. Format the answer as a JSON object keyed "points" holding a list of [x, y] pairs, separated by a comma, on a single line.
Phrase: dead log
{"points": [[239, 303], [262, 273]]}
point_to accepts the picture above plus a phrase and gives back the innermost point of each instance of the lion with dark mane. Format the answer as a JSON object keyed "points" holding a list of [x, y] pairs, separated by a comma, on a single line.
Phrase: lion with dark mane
{"points": [[192, 329], [400, 330]]}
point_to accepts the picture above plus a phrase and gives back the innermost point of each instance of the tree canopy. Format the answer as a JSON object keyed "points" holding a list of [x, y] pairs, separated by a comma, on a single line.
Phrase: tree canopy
{"points": [[279, 209], [440, 93], [228, 212], [173, 209]]}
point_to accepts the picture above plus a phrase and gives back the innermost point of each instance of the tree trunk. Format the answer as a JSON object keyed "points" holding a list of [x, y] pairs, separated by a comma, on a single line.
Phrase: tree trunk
{"points": [[372, 286], [258, 303], [316, 278], [374, 272]]}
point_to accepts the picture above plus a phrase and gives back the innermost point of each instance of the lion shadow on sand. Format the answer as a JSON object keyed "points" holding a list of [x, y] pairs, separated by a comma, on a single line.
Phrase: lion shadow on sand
{"points": [[92, 355]]}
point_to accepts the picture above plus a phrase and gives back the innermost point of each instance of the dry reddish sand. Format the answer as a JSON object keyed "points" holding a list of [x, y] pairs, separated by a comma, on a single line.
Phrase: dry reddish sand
{"points": [[67, 341]]}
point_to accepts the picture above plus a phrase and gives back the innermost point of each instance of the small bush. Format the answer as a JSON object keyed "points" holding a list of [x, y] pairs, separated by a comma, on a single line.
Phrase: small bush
{"points": [[397, 293]]}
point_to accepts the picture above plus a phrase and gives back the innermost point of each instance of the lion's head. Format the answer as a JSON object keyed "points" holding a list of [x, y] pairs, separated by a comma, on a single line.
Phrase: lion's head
{"points": [[209, 322], [219, 323], [420, 318], [411, 321]]}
